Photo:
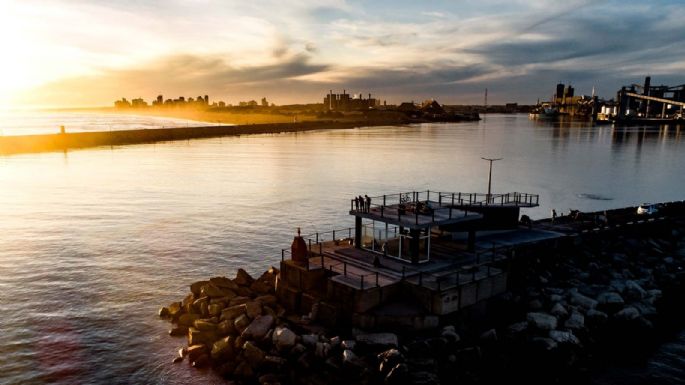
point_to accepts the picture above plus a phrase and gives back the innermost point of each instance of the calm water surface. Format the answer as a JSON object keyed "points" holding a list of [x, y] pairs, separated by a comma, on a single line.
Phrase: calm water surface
{"points": [[92, 242]]}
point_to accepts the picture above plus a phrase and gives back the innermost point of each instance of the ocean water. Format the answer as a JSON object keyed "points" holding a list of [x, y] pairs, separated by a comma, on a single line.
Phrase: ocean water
{"points": [[27, 122], [93, 241]]}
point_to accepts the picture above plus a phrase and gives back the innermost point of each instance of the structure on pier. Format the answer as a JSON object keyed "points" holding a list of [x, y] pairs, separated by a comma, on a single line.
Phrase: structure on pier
{"points": [[410, 258]]}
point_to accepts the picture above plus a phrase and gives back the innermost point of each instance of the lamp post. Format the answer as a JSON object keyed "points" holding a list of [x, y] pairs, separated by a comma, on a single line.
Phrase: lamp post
{"points": [[490, 175]]}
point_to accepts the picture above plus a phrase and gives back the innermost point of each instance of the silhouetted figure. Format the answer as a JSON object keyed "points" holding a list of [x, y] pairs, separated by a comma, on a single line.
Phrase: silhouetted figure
{"points": [[368, 203], [554, 215], [525, 220], [361, 203], [356, 203]]}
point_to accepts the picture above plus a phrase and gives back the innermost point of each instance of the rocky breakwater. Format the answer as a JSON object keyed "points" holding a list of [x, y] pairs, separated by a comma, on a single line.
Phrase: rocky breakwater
{"points": [[570, 313], [237, 327]]}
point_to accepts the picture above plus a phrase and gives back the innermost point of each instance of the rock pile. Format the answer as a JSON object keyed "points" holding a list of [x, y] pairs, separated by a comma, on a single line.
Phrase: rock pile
{"points": [[567, 312]]}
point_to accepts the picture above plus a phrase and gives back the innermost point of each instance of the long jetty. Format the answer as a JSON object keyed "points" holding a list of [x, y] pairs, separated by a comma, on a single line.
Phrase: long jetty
{"points": [[65, 141]]}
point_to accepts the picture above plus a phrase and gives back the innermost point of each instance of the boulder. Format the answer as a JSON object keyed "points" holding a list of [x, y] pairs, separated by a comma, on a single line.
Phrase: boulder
{"points": [[252, 354], [215, 309], [348, 344], [222, 348], [174, 309], [242, 278], [262, 287], [397, 375], [225, 327], [517, 328], [241, 323], [177, 359], [575, 322], [627, 313], [583, 301], [562, 337], [258, 328], [610, 299], [559, 311], [274, 362], [321, 349], [188, 319], [310, 340], [213, 291], [389, 359], [253, 309], [351, 361], [195, 351], [231, 313], [534, 305], [542, 321], [596, 316], [634, 291], [268, 300], [283, 338], [204, 325], [163, 312], [223, 282], [450, 335], [378, 340], [240, 300], [196, 287], [196, 337]]}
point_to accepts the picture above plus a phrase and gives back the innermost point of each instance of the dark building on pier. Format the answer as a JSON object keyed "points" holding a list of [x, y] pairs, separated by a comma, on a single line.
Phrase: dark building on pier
{"points": [[347, 102], [648, 101]]}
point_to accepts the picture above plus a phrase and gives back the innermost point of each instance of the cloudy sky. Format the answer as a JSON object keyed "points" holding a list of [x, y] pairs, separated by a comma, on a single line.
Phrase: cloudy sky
{"points": [[88, 53]]}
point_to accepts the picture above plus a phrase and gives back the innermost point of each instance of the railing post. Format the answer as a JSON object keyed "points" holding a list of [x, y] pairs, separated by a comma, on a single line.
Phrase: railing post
{"points": [[377, 279], [310, 246], [317, 237], [351, 204], [383, 200], [349, 232], [450, 212], [428, 195], [362, 281], [345, 269], [282, 255], [333, 235], [453, 198], [323, 266], [321, 251], [382, 207], [417, 215]]}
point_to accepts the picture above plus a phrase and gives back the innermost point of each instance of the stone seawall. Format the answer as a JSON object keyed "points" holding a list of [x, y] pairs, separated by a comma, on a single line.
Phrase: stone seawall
{"points": [[63, 142], [600, 299]]}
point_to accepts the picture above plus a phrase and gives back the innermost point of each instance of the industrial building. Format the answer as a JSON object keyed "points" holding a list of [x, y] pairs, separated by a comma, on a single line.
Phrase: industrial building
{"points": [[347, 102]]}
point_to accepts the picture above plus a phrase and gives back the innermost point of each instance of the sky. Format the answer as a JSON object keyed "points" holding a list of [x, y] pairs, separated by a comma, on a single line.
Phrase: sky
{"points": [[74, 53]]}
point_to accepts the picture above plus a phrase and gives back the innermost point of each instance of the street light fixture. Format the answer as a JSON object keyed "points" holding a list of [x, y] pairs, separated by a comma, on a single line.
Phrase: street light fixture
{"points": [[490, 175]]}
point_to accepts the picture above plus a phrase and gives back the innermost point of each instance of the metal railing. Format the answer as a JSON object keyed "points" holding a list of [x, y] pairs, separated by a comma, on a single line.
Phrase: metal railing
{"points": [[412, 201]]}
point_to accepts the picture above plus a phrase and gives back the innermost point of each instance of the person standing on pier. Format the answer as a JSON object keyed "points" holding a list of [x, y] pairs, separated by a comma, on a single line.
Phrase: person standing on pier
{"points": [[361, 203], [554, 215], [356, 203], [368, 203]]}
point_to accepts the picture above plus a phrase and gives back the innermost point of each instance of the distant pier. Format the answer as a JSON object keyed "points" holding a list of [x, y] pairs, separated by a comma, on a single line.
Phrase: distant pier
{"points": [[66, 141]]}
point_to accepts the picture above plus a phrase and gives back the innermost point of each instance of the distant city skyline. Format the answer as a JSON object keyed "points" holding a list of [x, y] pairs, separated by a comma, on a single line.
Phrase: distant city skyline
{"points": [[88, 53]]}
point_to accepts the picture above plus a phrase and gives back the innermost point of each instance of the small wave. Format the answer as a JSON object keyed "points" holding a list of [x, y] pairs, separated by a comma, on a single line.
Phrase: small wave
{"points": [[595, 197]]}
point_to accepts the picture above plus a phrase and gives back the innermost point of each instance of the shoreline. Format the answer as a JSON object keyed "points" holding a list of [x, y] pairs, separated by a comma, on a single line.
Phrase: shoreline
{"points": [[22, 144], [596, 300]]}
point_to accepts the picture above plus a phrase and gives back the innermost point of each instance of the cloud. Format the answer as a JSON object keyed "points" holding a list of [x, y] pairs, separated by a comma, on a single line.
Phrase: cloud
{"points": [[175, 75]]}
